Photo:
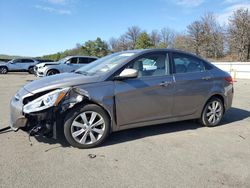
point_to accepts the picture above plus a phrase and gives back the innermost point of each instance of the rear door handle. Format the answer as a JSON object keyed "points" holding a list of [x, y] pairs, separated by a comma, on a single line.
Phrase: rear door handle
{"points": [[165, 84], [206, 78]]}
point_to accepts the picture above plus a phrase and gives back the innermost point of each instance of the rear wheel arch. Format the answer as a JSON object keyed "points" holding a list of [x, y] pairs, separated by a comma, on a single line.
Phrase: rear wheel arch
{"points": [[31, 67], [219, 96], [207, 114]]}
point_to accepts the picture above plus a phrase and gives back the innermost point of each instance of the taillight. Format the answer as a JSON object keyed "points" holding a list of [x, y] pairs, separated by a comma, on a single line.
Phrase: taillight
{"points": [[229, 79]]}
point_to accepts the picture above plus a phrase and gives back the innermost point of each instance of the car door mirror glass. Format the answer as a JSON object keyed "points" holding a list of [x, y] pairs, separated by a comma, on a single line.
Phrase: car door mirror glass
{"points": [[127, 73]]}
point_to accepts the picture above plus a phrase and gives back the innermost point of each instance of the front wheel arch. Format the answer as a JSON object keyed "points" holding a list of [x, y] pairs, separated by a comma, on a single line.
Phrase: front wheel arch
{"points": [[52, 70], [73, 113], [89, 102]]}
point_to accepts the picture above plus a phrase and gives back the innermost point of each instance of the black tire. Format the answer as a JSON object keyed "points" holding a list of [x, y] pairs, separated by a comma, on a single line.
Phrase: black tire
{"points": [[204, 119], [3, 70], [52, 72], [31, 70], [71, 117]]}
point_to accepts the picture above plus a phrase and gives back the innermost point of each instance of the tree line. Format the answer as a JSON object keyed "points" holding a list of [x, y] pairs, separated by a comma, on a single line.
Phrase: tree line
{"points": [[204, 37]]}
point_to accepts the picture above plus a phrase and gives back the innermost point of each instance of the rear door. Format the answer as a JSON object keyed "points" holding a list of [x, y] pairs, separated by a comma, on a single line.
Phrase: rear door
{"points": [[26, 63], [192, 84], [148, 97]]}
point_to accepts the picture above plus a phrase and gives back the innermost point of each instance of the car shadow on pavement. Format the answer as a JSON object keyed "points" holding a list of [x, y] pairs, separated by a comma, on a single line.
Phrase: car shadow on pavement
{"points": [[233, 115]]}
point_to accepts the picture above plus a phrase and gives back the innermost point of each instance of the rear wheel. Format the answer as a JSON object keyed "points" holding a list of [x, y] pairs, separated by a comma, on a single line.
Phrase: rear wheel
{"points": [[3, 70], [212, 113], [31, 70], [87, 126], [52, 72]]}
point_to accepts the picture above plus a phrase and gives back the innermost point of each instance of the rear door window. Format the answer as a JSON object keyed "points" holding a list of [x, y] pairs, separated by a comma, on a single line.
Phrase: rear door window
{"points": [[187, 64], [27, 61], [91, 59], [83, 60]]}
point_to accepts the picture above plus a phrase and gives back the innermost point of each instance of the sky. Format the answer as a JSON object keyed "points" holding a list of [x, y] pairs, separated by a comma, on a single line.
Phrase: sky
{"points": [[40, 27]]}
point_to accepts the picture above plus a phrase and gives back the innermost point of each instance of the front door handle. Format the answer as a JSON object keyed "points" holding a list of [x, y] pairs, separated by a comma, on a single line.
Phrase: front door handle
{"points": [[165, 84], [206, 78]]}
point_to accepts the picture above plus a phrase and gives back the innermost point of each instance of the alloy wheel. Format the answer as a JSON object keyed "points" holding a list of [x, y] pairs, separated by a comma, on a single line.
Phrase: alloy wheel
{"points": [[3, 70], [214, 112], [88, 128]]}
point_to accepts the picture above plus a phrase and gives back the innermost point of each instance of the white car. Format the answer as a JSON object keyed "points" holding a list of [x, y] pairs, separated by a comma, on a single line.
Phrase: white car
{"points": [[67, 64], [18, 65]]}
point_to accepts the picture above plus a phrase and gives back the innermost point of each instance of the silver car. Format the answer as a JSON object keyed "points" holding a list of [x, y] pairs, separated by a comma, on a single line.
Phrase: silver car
{"points": [[119, 92], [67, 64], [18, 65]]}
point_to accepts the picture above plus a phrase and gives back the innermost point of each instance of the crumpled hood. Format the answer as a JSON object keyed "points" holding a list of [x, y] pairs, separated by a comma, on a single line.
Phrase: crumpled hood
{"points": [[59, 81]]}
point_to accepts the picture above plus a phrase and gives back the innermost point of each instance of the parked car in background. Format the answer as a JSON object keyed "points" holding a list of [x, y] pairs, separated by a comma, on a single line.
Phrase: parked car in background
{"points": [[18, 65], [116, 92], [67, 64]]}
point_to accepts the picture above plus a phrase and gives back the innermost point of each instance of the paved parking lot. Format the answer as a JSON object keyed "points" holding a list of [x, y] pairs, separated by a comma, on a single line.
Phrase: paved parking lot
{"points": [[172, 155]]}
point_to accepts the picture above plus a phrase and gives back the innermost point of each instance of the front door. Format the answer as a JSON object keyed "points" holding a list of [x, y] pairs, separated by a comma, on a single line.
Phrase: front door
{"points": [[148, 97], [16, 64]]}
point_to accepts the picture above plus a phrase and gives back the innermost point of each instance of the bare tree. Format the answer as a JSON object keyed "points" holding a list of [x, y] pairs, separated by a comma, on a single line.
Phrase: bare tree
{"points": [[167, 37], [239, 34], [213, 37], [132, 35], [195, 32], [207, 37], [155, 38], [113, 44], [183, 42]]}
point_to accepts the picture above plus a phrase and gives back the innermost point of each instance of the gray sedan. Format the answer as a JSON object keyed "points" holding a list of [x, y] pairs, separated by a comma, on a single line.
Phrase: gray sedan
{"points": [[122, 91]]}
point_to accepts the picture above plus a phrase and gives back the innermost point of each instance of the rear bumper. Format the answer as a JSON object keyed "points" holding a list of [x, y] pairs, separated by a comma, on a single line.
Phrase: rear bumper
{"points": [[229, 98]]}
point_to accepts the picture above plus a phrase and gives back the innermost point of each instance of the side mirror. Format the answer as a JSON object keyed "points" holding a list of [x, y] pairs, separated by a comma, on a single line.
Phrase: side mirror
{"points": [[127, 73], [12, 62], [67, 62]]}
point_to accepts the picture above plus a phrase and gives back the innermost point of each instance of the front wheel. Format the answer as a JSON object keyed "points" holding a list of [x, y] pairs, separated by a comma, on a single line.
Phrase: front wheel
{"points": [[3, 70], [212, 113], [87, 126], [52, 72]]}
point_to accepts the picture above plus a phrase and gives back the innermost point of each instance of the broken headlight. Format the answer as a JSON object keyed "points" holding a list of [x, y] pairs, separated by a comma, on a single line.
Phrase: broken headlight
{"points": [[46, 101]]}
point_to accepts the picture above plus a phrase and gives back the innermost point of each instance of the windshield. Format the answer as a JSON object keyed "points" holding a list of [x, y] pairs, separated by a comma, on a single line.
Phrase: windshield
{"points": [[105, 64], [63, 60]]}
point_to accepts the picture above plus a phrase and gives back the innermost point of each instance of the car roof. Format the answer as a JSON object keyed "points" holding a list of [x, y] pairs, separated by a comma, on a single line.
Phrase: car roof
{"points": [[142, 51], [82, 56]]}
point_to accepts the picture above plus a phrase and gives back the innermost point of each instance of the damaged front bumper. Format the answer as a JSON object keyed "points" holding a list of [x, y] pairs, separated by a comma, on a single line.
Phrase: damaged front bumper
{"points": [[47, 118], [17, 118]]}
